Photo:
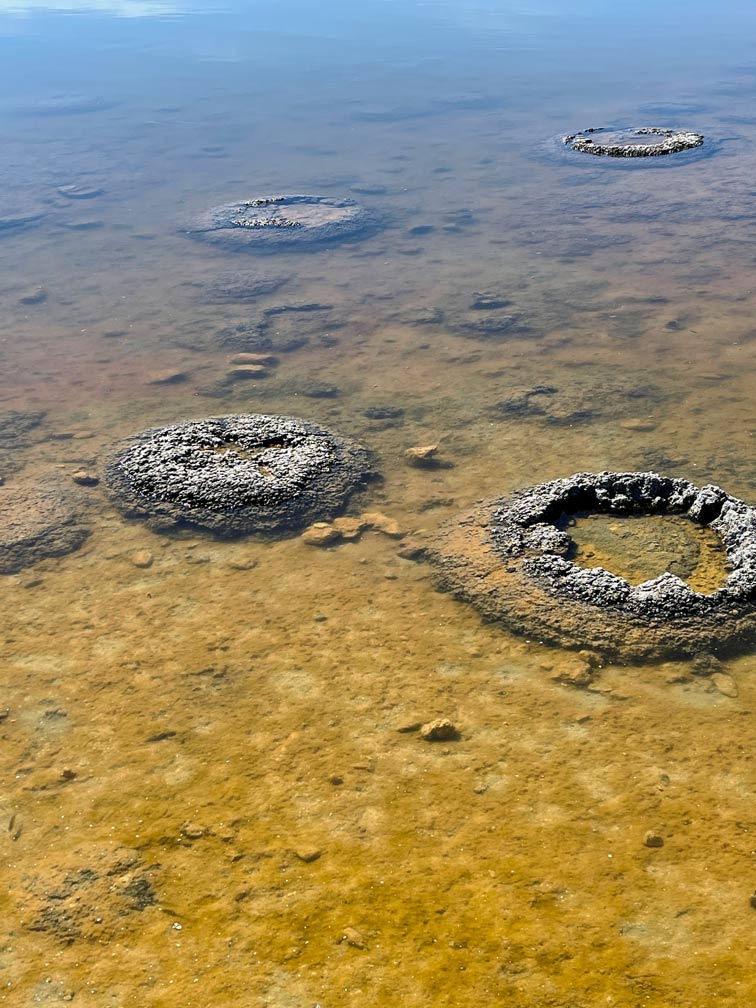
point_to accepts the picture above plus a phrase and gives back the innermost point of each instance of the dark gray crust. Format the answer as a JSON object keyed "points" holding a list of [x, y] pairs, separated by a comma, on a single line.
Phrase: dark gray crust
{"points": [[672, 142], [285, 222], [508, 559], [38, 519], [237, 475]]}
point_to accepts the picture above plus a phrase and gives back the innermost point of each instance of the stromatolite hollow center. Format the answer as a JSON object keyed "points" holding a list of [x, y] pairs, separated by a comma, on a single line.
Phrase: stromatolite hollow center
{"points": [[509, 558]]}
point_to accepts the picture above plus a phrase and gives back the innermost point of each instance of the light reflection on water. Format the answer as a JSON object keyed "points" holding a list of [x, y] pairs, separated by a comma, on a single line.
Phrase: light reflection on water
{"points": [[191, 721]]}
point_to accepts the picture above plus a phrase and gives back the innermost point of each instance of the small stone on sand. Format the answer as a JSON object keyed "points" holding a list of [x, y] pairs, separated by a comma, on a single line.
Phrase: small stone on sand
{"points": [[143, 558], [84, 478], [421, 456], [440, 730]]}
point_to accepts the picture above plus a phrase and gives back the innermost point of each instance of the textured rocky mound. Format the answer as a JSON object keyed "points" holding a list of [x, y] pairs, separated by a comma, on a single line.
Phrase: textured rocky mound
{"points": [[235, 475], [510, 560], [285, 222], [669, 142], [38, 520]]}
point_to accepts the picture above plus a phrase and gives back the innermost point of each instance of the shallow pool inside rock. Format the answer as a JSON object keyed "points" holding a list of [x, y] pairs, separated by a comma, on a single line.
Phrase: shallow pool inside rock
{"points": [[642, 547]]}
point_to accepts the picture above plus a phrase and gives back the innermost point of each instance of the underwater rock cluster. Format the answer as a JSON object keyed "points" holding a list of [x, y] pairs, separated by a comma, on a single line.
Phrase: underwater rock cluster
{"points": [[508, 558], [285, 222], [235, 475], [670, 142]]}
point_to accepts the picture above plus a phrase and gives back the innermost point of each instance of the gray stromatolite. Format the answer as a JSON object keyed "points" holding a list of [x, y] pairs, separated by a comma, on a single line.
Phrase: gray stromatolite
{"points": [[38, 520], [285, 222], [235, 475], [670, 142], [508, 558]]}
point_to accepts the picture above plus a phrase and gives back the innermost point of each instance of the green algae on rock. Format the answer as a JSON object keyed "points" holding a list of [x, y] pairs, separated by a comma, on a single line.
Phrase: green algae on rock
{"points": [[236, 475], [509, 559]]}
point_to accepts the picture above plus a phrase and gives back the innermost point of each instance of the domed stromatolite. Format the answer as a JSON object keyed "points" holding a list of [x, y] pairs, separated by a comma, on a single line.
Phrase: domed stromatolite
{"points": [[235, 475]]}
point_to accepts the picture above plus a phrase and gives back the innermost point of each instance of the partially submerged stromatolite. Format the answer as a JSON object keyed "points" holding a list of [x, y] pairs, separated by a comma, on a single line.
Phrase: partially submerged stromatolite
{"points": [[236, 475], [268, 223], [508, 558], [643, 142]]}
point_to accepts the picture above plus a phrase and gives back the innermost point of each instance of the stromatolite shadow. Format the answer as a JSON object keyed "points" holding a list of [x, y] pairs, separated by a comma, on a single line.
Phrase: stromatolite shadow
{"points": [[509, 559], [237, 475], [286, 223]]}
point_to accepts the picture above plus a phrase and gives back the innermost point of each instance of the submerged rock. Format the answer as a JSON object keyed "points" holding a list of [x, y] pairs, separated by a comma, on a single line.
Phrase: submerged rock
{"points": [[239, 287], [235, 475], [268, 223], [38, 519], [508, 558]]}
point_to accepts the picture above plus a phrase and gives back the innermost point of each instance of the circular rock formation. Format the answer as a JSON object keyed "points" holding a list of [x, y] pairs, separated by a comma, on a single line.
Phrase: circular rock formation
{"points": [[285, 222], [510, 560], [38, 520], [623, 143], [235, 475]]}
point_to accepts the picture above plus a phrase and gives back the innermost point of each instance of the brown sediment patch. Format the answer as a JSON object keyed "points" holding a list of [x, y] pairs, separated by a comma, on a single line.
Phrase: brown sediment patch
{"points": [[509, 558]]}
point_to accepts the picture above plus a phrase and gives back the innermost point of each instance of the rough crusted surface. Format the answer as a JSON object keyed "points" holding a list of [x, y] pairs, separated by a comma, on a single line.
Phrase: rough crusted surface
{"points": [[38, 520], [670, 142], [283, 222], [87, 896], [235, 475], [508, 559]]}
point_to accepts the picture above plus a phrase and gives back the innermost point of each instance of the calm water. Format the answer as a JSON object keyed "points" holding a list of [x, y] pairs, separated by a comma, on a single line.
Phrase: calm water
{"points": [[205, 797]]}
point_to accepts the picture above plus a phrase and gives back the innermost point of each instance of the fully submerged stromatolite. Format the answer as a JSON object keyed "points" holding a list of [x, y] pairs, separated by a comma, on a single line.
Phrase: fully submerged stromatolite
{"points": [[283, 222], [508, 558], [39, 518], [236, 475]]}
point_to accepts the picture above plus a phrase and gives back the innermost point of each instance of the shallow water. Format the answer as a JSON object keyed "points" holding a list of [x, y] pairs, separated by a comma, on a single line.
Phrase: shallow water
{"points": [[207, 795]]}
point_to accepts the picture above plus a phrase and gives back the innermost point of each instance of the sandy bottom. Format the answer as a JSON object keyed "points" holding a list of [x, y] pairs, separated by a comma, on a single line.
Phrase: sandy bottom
{"points": [[213, 790]]}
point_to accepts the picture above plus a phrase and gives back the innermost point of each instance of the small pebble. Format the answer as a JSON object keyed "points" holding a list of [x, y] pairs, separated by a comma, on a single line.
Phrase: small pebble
{"points": [[167, 378], [724, 684], [351, 936], [440, 730], [308, 854], [85, 478], [143, 558], [652, 839], [421, 456]]}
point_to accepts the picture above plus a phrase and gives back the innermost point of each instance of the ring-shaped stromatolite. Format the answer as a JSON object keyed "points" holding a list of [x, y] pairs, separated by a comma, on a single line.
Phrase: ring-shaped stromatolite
{"points": [[237, 475], [508, 558], [669, 142], [286, 222]]}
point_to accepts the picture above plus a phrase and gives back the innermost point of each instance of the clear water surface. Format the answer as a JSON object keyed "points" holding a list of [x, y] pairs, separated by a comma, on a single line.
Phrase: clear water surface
{"points": [[206, 796]]}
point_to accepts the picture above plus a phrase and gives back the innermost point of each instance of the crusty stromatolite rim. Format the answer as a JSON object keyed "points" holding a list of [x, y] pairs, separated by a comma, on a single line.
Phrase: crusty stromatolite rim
{"points": [[508, 558], [236, 475], [673, 142], [285, 221]]}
